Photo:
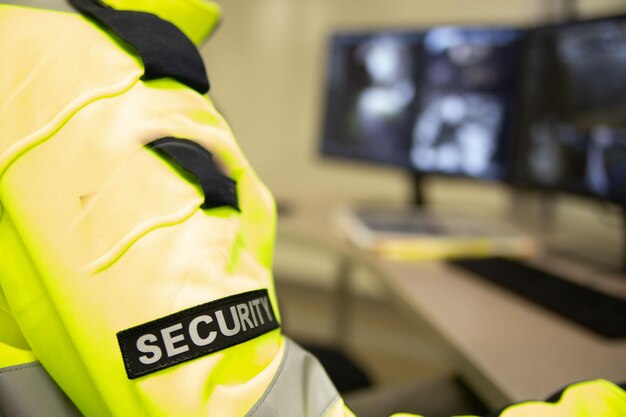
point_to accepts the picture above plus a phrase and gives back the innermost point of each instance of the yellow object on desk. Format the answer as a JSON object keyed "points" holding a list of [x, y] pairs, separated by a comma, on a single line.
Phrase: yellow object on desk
{"points": [[401, 233]]}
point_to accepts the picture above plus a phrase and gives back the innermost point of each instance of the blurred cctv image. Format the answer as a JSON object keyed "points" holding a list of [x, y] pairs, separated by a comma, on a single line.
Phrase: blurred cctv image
{"points": [[371, 93], [464, 105], [575, 101], [606, 163]]}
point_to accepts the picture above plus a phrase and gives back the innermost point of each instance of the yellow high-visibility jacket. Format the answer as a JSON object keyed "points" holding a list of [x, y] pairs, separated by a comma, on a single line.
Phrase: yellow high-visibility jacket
{"points": [[135, 239]]}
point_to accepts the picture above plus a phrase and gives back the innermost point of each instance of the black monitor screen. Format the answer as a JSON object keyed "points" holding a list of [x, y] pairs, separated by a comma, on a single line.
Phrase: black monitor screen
{"points": [[463, 120], [574, 131], [371, 94]]}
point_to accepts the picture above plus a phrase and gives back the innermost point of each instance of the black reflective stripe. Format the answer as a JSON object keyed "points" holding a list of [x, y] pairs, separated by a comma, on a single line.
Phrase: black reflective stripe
{"points": [[28, 391], [195, 332], [164, 49], [219, 190]]}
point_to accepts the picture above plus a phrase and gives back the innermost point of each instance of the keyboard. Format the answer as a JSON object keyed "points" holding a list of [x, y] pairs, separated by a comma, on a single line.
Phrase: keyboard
{"points": [[597, 311]]}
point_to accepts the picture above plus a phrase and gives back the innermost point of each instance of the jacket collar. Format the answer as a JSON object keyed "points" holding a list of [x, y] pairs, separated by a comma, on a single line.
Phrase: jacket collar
{"points": [[196, 18]]}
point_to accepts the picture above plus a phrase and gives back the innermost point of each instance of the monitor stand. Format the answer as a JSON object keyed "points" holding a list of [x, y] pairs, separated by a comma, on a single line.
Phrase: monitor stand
{"points": [[533, 210], [418, 197], [624, 239], [547, 213]]}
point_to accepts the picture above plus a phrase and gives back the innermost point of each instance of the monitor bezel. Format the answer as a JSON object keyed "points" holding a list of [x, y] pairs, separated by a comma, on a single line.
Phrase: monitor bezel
{"points": [[526, 184]]}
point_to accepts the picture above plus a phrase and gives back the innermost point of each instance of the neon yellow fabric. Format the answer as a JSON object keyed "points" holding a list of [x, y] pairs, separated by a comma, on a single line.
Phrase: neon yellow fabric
{"points": [[196, 18], [38, 67], [99, 235], [14, 349], [11, 356], [598, 398]]}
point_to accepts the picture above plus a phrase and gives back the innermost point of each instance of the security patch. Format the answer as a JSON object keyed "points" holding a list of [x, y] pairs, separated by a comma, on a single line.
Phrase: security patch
{"points": [[195, 332]]}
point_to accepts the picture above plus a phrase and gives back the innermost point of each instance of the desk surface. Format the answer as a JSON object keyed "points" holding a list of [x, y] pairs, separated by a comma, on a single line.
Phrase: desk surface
{"points": [[511, 350], [508, 349]]}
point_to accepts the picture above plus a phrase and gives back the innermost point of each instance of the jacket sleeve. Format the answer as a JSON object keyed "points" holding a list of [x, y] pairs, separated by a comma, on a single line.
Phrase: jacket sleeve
{"points": [[108, 245]]}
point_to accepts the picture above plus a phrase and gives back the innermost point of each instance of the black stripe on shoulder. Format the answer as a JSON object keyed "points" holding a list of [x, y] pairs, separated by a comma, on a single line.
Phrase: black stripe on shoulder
{"points": [[165, 50], [219, 190]]}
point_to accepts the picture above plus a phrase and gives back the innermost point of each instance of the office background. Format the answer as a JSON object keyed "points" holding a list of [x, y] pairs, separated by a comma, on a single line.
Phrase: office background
{"points": [[267, 64]]}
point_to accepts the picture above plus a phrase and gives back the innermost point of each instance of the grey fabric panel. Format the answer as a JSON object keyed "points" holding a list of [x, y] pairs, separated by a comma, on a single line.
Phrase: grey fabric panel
{"points": [[301, 388], [61, 5], [28, 391]]}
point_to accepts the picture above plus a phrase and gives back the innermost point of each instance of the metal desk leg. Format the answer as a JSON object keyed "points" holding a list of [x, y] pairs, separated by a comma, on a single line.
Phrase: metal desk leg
{"points": [[343, 301]]}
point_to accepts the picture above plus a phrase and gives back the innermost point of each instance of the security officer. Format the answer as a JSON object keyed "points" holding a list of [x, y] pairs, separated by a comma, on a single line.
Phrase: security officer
{"points": [[135, 239]]}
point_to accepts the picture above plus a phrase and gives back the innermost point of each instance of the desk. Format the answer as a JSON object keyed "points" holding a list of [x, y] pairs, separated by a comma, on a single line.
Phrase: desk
{"points": [[506, 348]]}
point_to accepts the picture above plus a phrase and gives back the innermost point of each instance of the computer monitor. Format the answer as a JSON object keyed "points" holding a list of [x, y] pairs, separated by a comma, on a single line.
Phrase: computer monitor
{"points": [[466, 102], [371, 91], [434, 102], [573, 135]]}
